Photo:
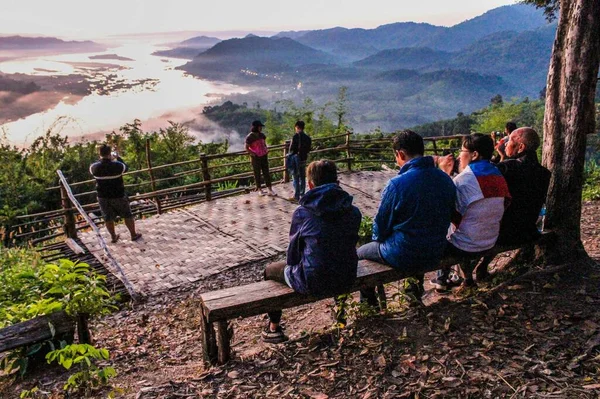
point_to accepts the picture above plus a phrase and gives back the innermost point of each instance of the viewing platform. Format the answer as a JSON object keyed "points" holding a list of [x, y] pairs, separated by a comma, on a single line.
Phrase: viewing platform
{"points": [[185, 245]]}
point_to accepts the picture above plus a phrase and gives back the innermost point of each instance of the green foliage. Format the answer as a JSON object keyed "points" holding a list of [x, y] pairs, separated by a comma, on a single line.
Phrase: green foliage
{"points": [[591, 186], [524, 113], [29, 287], [84, 357], [365, 232], [551, 7]]}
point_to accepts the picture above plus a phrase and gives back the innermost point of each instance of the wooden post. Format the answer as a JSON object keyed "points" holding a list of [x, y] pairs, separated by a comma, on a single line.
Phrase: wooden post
{"points": [[286, 175], [69, 226], [348, 151], [435, 149], [151, 173], [152, 183], [206, 176], [223, 343], [209, 343]]}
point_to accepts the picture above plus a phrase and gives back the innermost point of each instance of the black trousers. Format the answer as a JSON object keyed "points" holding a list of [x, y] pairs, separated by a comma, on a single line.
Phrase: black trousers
{"points": [[261, 164], [275, 271]]}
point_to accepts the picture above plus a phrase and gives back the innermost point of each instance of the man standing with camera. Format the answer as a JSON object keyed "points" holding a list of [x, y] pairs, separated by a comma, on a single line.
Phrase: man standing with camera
{"points": [[113, 201]]}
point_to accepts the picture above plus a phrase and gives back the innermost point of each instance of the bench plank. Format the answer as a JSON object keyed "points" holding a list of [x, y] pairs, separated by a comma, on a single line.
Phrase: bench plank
{"points": [[264, 296], [36, 330]]}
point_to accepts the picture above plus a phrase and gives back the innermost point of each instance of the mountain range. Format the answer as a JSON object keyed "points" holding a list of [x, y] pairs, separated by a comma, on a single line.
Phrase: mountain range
{"points": [[21, 43], [399, 74]]}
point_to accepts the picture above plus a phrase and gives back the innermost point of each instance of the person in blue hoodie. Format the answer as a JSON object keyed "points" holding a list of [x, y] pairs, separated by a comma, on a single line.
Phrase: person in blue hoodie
{"points": [[321, 257], [409, 230]]}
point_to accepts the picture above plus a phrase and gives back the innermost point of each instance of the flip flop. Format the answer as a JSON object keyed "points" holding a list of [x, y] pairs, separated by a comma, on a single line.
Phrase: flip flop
{"points": [[115, 238], [136, 237]]}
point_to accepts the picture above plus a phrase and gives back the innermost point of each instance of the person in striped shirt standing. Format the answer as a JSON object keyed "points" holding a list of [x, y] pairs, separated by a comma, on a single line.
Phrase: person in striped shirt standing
{"points": [[113, 201]]}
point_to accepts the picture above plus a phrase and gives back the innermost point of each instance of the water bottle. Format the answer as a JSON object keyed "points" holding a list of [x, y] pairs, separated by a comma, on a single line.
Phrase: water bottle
{"points": [[541, 219]]}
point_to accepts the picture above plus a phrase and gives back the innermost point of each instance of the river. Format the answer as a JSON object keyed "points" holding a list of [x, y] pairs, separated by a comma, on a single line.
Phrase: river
{"points": [[172, 95]]}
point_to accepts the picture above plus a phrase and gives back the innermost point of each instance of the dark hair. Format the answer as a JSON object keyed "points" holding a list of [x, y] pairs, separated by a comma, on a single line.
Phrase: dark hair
{"points": [[300, 124], [482, 143], [510, 126], [104, 150], [322, 172], [256, 125], [410, 142]]}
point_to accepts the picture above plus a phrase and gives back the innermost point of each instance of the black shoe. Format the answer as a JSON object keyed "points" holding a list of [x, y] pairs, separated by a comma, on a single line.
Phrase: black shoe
{"points": [[445, 284], [273, 337]]}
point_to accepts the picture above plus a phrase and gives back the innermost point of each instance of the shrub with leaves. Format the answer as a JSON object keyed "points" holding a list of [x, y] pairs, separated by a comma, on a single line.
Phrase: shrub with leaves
{"points": [[84, 358], [30, 288], [365, 232]]}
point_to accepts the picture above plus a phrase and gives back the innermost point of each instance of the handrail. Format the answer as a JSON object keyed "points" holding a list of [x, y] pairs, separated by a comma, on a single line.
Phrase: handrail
{"points": [[330, 145], [101, 241]]}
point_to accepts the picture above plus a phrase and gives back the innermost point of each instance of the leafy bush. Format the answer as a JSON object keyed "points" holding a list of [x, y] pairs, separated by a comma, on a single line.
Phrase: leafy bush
{"points": [[365, 232], [29, 287], [83, 356], [591, 186]]}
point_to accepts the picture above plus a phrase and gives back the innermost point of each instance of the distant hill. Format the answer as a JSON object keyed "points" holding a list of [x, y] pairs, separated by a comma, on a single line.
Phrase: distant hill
{"points": [[110, 57], [405, 58], [520, 58], [256, 55], [518, 18], [356, 44], [200, 42], [189, 48], [20, 43]]}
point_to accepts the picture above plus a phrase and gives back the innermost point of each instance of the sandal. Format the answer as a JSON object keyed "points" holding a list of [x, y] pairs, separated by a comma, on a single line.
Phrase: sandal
{"points": [[273, 337]]}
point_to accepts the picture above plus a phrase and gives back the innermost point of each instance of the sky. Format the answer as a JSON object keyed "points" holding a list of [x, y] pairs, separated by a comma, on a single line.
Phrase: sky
{"points": [[95, 19]]}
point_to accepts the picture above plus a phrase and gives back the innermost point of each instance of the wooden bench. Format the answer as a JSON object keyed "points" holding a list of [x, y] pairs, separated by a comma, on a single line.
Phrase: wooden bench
{"points": [[217, 307]]}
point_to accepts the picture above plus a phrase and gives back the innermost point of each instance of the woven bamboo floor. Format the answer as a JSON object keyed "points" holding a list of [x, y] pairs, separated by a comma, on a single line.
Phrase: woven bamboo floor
{"points": [[185, 245]]}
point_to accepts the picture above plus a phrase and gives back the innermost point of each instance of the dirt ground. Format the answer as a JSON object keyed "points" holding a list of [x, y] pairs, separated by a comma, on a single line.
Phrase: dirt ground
{"points": [[519, 337]]}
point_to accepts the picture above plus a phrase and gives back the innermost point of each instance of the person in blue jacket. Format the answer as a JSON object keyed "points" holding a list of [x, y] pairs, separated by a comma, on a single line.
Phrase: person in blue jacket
{"points": [[321, 257], [409, 230]]}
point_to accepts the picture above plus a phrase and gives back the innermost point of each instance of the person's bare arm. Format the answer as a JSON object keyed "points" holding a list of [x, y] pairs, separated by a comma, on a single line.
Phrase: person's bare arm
{"points": [[446, 163]]}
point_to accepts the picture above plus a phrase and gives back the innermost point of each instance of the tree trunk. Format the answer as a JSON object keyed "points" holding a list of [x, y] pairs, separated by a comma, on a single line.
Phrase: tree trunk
{"points": [[569, 118]]}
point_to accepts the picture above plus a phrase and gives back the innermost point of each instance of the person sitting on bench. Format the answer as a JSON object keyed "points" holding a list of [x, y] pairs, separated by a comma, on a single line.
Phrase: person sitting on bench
{"points": [[409, 230], [482, 197], [321, 257], [528, 183]]}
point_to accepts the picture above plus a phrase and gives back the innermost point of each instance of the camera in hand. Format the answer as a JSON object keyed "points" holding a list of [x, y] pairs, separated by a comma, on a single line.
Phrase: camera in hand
{"points": [[455, 167]]}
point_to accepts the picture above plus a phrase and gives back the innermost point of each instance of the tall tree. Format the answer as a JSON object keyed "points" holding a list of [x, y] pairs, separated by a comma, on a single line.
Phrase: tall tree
{"points": [[570, 115]]}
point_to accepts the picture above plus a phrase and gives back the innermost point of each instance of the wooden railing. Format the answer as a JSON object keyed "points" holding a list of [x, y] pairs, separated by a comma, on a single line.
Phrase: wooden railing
{"points": [[218, 175]]}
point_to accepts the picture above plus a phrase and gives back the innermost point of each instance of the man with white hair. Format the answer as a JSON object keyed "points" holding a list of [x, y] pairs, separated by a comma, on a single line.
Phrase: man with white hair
{"points": [[528, 183]]}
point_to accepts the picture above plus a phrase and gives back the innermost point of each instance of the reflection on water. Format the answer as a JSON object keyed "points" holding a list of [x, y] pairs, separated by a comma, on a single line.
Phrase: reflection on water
{"points": [[175, 96]]}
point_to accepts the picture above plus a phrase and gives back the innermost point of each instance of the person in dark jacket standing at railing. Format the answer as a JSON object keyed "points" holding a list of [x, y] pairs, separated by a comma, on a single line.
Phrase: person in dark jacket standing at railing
{"points": [[299, 147], [256, 146], [321, 257], [113, 201]]}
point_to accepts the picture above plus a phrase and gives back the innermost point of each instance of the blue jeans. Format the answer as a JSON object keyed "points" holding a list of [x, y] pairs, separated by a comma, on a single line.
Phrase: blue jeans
{"points": [[370, 251], [299, 176]]}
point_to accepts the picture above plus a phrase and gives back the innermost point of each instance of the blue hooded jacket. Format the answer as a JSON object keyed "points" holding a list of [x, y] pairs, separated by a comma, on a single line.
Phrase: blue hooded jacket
{"points": [[414, 215], [323, 236]]}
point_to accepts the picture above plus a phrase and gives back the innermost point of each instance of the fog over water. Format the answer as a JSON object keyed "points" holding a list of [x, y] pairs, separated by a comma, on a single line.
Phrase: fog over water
{"points": [[167, 94]]}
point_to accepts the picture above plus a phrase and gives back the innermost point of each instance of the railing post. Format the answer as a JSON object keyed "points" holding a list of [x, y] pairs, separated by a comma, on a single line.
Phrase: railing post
{"points": [[435, 149], [206, 177], [152, 183], [286, 175], [69, 226], [349, 160]]}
